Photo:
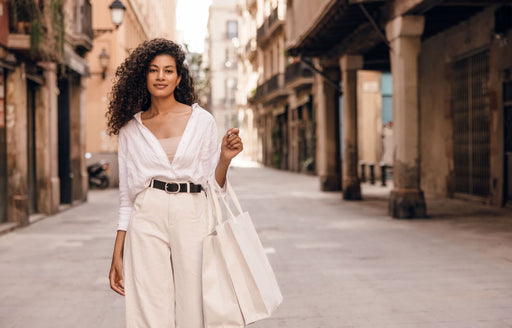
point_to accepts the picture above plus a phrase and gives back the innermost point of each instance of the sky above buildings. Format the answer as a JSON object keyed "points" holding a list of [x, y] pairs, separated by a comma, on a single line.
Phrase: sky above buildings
{"points": [[191, 20]]}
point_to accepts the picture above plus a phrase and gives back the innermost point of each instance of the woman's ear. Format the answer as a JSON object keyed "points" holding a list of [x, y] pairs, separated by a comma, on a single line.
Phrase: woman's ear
{"points": [[178, 81]]}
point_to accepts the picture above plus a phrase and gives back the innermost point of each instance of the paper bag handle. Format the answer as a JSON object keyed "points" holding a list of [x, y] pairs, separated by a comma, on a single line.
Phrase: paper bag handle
{"points": [[212, 197], [231, 193]]}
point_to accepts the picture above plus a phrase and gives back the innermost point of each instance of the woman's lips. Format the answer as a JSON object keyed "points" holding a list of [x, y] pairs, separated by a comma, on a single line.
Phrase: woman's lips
{"points": [[160, 86]]}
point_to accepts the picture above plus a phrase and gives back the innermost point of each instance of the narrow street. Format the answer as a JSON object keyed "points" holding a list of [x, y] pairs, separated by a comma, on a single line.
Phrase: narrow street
{"points": [[340, 264]]}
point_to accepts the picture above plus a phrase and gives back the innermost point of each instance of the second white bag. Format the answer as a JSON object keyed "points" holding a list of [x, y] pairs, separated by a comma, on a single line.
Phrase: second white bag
{"points": [[220, 305], [247, 265]]}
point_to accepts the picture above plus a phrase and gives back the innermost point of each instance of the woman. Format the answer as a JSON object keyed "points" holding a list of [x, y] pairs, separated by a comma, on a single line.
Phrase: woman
{"points": [[168, 153]]}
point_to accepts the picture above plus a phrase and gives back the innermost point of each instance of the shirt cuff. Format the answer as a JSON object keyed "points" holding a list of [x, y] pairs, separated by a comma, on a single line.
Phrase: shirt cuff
{"points": [[220, 191], [124, 218]]}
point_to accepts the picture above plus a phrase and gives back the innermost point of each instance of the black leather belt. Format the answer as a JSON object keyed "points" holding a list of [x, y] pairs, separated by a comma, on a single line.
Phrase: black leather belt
{"points": [[174, 187]]}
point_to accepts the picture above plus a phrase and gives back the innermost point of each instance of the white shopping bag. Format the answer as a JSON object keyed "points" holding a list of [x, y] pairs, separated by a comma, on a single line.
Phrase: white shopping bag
{"points": [[236, 245], [220, 305]]}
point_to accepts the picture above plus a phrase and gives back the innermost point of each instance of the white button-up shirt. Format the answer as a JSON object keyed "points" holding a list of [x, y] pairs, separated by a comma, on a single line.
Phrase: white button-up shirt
{"points": [[141, 158]]}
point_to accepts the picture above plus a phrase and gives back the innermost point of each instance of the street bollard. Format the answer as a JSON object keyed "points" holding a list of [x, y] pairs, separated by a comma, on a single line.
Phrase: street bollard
{"points": [[383, 173], [371, 166], [363, 175]]}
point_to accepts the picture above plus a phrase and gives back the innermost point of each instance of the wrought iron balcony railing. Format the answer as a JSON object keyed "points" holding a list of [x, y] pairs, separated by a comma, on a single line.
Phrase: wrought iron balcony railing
{"points": [[296, 71], [271, 23], [270, 88]]}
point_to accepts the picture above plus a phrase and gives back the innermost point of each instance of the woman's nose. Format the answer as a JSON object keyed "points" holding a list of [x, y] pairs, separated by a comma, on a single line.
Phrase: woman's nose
{"points": [[160, 75]]}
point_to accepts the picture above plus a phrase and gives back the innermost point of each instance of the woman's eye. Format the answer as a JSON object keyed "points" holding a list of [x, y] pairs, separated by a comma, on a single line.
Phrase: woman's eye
{"points": [[169, 72]]}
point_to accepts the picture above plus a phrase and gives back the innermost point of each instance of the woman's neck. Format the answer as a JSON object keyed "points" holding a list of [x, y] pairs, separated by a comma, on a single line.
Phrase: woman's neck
{"points": [[163, 106]]}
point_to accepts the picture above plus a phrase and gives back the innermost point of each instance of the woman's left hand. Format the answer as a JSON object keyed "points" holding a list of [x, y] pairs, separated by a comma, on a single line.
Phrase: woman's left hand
{"points": [[231, 144]]}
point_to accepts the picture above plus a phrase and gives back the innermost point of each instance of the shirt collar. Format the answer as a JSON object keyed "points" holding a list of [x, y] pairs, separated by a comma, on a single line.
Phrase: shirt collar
{"points": [[137, 117]]}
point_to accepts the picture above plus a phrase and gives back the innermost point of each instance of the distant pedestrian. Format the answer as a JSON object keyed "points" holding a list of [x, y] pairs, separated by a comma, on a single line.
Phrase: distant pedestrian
{"points": [[168, 151]]}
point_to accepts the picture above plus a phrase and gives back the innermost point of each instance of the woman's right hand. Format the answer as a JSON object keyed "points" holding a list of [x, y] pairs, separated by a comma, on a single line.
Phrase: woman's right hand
{"points": [[116, 269], [116, 276]]}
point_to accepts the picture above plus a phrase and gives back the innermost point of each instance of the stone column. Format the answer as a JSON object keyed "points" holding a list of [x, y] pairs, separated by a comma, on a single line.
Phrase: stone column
{"points": [[404, 34], [269, 125], [47, 143], [84, 176], [327, 142], [16, 132], [292, 136], [77, 134], [260, 133], [349, 64]]}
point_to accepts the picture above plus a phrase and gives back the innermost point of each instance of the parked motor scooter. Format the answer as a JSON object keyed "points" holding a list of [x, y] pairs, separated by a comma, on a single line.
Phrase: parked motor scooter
{"points": [[98, 175]]}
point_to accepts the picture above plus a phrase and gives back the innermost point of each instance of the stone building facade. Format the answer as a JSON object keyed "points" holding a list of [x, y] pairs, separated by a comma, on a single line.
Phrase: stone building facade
{"points": [[450, 65], [220, 56], [274, 94], [42, 107], [278, 91], [248, 79]]}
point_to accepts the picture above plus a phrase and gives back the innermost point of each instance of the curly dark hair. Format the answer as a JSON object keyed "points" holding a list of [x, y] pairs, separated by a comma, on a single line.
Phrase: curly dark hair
{"points": [[130, 94]]}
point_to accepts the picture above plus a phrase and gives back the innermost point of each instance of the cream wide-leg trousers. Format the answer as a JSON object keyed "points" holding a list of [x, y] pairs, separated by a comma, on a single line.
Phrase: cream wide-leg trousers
{"points": [[163, 259]]}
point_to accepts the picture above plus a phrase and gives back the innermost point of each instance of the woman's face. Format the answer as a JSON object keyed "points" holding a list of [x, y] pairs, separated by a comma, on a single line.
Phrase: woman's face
{"points": [[162, 76]]}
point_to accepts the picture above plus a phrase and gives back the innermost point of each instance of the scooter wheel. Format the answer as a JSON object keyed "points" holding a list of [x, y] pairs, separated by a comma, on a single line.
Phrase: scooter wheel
{"points": [[104, 183]]}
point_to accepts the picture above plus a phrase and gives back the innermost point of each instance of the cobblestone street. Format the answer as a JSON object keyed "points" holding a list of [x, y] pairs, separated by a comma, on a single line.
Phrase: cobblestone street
{"points": [[339, 264]]}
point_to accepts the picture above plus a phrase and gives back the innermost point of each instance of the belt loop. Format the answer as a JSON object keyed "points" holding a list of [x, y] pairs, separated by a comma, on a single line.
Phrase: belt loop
{"points": [[188, 187]]}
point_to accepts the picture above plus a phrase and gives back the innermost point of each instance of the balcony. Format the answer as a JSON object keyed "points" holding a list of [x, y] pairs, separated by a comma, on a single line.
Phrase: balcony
{"points": [[273, 18], [271, 25], [260, 33], [83, 33], [271, 90], [250, 49], [259, 93], [20, 25], [275, 82], [39, 31], [298, 75]]}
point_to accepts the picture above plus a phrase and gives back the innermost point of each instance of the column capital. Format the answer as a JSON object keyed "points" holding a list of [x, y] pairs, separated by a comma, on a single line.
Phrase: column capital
{"points": [[405, 26], [351, 62]]}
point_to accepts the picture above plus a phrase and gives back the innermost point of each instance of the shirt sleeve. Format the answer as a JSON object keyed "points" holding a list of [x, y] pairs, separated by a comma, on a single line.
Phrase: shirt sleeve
{"points": [[125, 203], [214, 146]]}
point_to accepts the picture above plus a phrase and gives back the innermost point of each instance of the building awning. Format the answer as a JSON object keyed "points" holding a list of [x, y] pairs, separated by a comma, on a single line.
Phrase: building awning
{"points": [[344, 27], [75, 62], [335, 23]]}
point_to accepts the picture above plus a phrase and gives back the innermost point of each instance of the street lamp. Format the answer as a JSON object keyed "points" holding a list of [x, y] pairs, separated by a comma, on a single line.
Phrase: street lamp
{"points": [[104, 58], [117, 10]]}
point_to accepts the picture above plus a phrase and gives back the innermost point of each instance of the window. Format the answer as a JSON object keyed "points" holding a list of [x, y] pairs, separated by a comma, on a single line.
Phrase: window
{"points": [[229, 91], [227, 60], [230, 58], [232, 29]]}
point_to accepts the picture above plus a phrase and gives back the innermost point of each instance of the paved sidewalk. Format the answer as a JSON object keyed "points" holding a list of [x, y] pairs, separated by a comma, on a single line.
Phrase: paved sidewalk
{"points": [[340, 264]]}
